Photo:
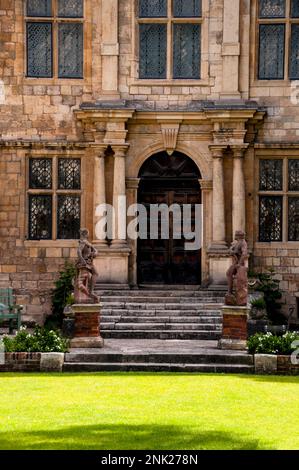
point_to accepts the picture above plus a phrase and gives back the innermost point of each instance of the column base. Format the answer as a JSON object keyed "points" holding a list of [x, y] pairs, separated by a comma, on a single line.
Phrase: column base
{"points": [[112, 265], [219, 263], [87, 343], [234, 344]]}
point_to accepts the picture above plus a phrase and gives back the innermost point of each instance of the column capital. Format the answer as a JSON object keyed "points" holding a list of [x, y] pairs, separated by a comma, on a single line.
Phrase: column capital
{"points": [[217, 150], [206, 185], [120, 150], [132, 183], [99, 150], [239, 150]]}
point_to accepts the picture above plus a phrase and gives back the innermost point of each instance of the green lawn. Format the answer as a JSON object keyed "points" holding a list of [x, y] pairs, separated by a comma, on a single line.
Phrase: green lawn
{"points": [[148, 411]]}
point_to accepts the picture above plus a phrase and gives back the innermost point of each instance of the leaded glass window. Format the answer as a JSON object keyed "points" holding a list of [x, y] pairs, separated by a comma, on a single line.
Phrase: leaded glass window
{"points": [[54, 198], [39, 50], [40, 217], [278, 27], [270, 175], [70, 8], [271, 57], [279, 192], [40, 8], [152, 8], [68, 217], [40, 173], [272, 8], [293, 219], [63, 30], [69, 173], [153, 51], [270, 219], [293, 175], [170, 39]]}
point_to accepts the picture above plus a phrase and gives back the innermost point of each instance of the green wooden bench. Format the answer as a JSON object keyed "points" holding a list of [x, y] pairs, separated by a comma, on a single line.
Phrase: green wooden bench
{"points": [[9, 310]]}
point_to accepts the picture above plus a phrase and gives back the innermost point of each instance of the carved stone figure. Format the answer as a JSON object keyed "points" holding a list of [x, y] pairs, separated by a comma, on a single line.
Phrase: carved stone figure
{"points": [[86, 273], [237, 273]]}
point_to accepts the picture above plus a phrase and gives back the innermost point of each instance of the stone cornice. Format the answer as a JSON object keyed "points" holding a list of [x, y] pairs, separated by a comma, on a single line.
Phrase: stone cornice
{"points": [[44, 145]]}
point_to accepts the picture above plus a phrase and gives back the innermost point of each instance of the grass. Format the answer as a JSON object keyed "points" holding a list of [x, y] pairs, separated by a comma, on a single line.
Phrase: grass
{"points": [[148, 411]]}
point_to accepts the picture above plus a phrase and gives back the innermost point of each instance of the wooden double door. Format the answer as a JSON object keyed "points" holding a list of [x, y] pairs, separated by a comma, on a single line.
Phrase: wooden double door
{"points": [[165, 260]]}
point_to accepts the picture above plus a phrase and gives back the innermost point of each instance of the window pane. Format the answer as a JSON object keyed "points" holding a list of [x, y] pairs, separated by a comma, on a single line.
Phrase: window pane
{"points": [[294, 175], [152, 8], [40, 173], [39, 7], [39, 49], [184, 9], [152, 47], [40, 217], [294, 52], [293, 219], [272, 8], [270, 175], [186, 50], [68, 217], [270, 220], [70, 8], [295, 8], [271, 54], [69, 173], [70, 50]]}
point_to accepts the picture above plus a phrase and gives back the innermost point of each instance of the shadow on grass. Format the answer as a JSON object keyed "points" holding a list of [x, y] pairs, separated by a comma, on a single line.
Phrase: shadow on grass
{"points": [[124, 437]]}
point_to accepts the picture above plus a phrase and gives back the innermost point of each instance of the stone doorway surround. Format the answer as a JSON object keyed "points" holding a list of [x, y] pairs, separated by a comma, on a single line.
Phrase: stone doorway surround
{"points": [[122, 135]]}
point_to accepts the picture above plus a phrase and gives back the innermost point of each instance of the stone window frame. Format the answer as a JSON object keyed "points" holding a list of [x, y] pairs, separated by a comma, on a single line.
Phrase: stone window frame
{"points": [[285, 156], [256, 21], [54, 192], [136, 21], [87, 45]]}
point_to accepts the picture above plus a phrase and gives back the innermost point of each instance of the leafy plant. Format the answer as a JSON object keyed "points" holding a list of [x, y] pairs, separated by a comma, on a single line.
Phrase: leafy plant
{"points": [[259, 304], [272, 295], [62, 295], [270, 344], [41, 340]]}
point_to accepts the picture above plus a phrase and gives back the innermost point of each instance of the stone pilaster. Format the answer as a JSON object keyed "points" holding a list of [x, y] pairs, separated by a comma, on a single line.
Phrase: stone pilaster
{"points": [[231, 49], [110, 49], [219, 229], [99, 195], [239, 192], [206, 200], [119, 197], [132, 198]]}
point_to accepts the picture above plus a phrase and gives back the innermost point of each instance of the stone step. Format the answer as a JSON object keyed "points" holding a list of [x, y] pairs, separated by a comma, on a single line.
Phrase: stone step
{"points": [[157, 358], [158, 306], [174, 292], [158, 299], [162, 334], [160, 319], [156, 367], [159, 326], [149, 312]]}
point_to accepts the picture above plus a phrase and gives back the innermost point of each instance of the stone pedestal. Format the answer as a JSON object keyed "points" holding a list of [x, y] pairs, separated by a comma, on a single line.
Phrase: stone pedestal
{"points": [[234, 333], [87, 329]]}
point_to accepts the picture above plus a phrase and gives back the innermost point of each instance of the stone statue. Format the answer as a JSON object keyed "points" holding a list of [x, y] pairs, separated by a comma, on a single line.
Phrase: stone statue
{"points": [[237, 273], [86, 273]]}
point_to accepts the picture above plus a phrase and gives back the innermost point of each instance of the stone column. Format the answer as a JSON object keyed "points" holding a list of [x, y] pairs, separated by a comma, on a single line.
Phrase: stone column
{"points": [[132, 198], [110, 49], [99, 195], [239, 209], [219, 229], [206, 197], [119, 197]]}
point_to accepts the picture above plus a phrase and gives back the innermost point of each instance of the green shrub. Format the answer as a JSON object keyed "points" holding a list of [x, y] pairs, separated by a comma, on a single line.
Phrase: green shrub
{"points": [[272, 295], [259, 304], [41, 340], [62, 295], [268, 343]]}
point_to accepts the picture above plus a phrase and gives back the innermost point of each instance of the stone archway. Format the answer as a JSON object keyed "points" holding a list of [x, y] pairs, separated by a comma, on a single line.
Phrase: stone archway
{"points": [[168, 180]]}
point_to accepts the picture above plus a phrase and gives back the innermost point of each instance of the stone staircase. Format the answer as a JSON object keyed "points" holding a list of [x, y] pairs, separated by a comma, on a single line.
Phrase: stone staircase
{"points": [[171, 313]]}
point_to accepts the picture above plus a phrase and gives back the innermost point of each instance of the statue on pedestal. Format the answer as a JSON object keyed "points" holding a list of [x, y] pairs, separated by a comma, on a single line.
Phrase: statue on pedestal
{"points": [[86, 272], [237, 273]]}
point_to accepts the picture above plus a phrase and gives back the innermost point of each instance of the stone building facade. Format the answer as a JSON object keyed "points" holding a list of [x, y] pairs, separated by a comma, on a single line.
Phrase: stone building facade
{"points": [[91, 90]]}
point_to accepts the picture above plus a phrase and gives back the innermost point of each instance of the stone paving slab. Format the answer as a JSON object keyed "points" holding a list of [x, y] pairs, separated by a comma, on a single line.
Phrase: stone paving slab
{"points": [[144, 346]]}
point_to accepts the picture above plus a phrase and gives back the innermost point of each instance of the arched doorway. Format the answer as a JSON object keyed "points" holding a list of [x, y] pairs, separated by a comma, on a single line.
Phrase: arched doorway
{"points": [[168, 179]]}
